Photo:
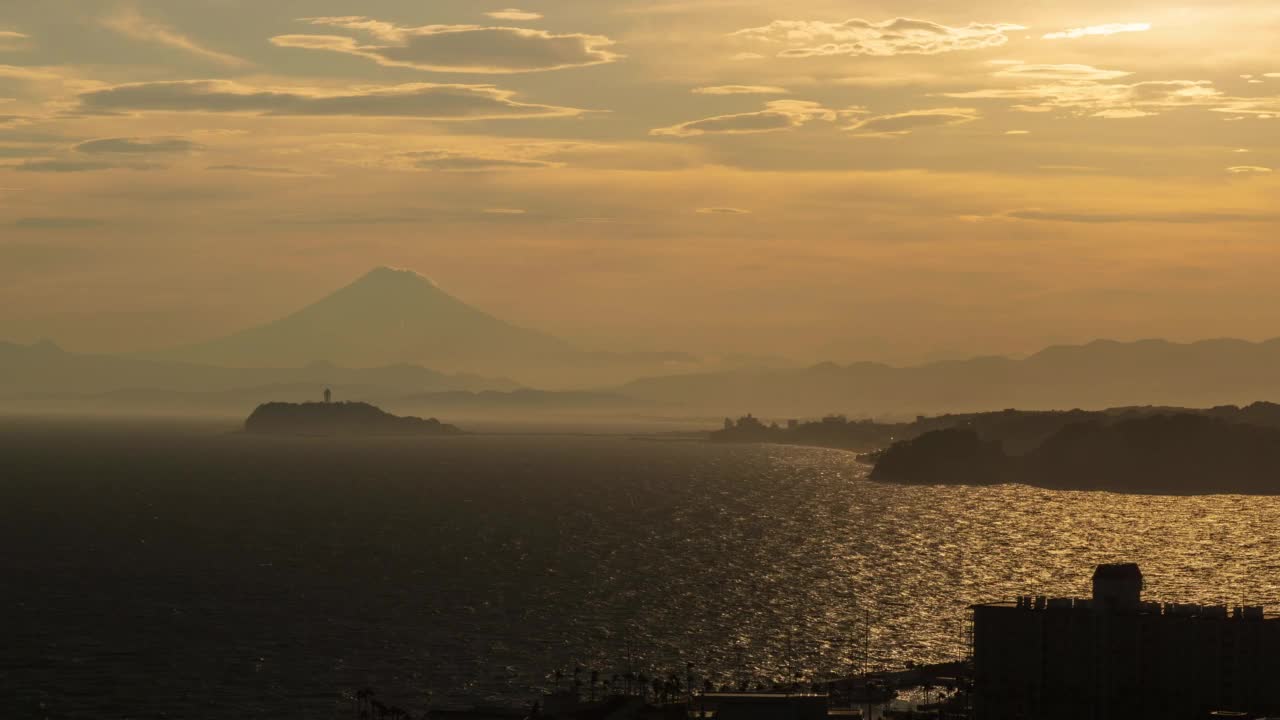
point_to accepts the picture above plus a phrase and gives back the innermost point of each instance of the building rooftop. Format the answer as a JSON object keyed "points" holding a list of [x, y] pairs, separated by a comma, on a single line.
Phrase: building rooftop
{"points": [[1118, 571], [759, 695], [1182, 610]]}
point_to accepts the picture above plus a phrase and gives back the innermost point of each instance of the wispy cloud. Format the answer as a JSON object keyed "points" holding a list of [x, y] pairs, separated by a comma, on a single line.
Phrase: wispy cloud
{"points": [[1249, 170], [1173, 218], [56, 223], [1079, 89], [777, 115], [1067, 72], [453, 161], [722, 211], [128, 21], [263, 171], [741, 90], [415, 100], [457, 48], [1263, 108], [1095, 30], [906, 123], [78, 166], [514, 14], [12, 40], [900, 36], [138, 146]]}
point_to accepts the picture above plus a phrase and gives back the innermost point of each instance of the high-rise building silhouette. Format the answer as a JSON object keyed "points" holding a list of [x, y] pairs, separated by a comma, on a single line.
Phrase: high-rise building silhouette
{"points": [[1117, 656]]}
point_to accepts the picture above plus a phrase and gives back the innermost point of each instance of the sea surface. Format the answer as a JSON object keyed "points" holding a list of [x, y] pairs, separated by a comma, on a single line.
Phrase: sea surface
{"points": [[184, 571]]}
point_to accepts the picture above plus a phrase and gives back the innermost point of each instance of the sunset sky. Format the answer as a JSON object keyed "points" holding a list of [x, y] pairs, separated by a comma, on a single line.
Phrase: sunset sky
{"points": [[824, 180]]}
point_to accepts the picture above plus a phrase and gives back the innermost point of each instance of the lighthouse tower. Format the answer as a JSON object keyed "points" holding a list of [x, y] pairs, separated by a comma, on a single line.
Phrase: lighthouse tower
{"points": [[328, 396]]}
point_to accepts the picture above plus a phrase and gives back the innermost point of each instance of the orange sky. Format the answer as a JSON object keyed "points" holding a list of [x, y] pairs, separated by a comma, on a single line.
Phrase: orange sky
{"points": [[850, 180]]}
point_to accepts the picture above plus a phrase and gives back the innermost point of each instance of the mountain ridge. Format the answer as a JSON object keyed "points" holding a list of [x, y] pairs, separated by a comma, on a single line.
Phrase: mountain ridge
{"points": [[391, 316], [386, 316], [1099, 374]]}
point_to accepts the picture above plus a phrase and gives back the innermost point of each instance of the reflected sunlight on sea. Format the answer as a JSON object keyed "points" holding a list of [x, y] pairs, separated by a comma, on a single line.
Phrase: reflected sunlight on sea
{"points": [[228, 576]]}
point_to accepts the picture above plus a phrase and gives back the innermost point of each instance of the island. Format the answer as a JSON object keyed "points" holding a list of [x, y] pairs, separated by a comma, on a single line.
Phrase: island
{"points": [[1158, 450], [346, 418], [833, 431], [1165, 454]]}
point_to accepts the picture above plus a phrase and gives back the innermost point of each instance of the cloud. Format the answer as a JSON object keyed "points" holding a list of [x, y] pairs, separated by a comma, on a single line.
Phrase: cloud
{"points": [[29, 74], [11, 40], [138, 146], [449, 161], [129, 22], [777, 115], [1017, 132], [457, 48], [78, 166], [722, 211], [901, 36], [515, 14], [1122, 114], [259, 170], [1265, 108], [56, 223], [504, 211], [1174, 218], [415, 100], [1068, 73], [908, 122], [741, 90], [1076, 89], [1249, 170], [1108, 29], [24, 151]]}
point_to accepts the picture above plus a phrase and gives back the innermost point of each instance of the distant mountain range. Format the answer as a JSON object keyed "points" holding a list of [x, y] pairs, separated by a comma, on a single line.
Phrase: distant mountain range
{"points": [[392, 316], [1098, 375], [44, 376], [418, 344]]}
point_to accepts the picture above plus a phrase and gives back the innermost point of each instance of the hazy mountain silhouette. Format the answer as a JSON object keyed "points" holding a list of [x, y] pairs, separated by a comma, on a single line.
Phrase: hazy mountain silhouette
{"points": [[523, 399], [46, 376], [398, 316], [387, 316], [1098, 375]]}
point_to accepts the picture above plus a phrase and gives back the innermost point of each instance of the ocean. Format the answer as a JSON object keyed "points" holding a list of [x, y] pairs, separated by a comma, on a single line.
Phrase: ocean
{"points": [[180, 570]]}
